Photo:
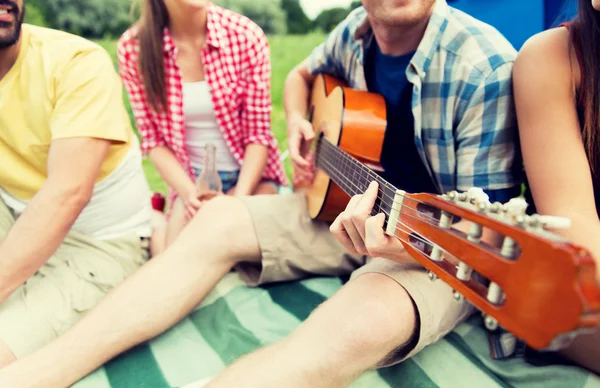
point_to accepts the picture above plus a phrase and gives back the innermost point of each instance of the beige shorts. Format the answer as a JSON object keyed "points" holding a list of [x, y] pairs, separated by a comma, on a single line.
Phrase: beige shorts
{"points": [[76, 277], [294, 247]]}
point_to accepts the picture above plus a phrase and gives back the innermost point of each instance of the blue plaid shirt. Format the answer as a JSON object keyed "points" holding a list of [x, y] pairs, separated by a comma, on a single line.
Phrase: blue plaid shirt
{"points": [[465, 124]]}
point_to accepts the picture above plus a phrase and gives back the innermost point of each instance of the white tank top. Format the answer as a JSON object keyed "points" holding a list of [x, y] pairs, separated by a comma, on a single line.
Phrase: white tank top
{"points": [[201, 128], [120, 204]]}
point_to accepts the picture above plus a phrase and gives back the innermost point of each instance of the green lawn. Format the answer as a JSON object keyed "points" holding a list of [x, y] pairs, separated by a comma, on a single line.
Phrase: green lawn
{"points": [[286, 52]]}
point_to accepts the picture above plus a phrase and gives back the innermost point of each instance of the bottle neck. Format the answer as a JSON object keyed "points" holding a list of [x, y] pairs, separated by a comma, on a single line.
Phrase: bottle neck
{"points": [[209, 159]]}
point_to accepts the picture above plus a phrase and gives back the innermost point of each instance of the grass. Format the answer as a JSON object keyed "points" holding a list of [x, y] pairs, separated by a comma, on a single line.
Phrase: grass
{"points": [[286, 52]]}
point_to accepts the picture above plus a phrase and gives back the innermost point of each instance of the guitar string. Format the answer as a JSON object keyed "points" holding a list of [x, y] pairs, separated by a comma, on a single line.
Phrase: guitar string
{"points": [[380, 194], [383, 193], [350, 161], [386, 186], [379, 208], [411, 233], [407, 228], [420, 216]]}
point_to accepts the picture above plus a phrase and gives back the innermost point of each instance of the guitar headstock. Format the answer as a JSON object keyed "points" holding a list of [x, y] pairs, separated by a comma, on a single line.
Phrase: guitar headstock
{"points": [[532, 282]]}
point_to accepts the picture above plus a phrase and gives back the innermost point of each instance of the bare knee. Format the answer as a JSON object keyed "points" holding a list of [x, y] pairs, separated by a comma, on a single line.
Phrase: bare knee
{"points": [[6, 355], [222, 224], [379, 315], [265, 188]]}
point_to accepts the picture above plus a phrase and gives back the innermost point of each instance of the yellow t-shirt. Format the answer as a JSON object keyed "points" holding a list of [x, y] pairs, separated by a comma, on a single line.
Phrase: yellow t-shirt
{"points": [[61, 86]]}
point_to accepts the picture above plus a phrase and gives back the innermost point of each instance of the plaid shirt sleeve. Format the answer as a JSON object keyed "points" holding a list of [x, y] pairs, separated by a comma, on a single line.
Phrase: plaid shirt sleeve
{"points": [[256, 112], [486, 133], [328, 56], [151, 137]]}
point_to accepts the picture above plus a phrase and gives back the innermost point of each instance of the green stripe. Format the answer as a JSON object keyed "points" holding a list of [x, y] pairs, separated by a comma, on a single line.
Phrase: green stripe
{"points": [[295, 298], [406, 374], [223, 332], [135, 369], [459, 343]]}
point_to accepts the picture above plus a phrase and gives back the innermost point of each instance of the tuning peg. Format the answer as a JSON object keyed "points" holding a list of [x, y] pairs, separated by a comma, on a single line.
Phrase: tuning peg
{"points": [[464, 272], [496, 207], [432, 276], [453, 195], [478, 195], [516, 206], [554, 222], [457, 296], [490, 323]]}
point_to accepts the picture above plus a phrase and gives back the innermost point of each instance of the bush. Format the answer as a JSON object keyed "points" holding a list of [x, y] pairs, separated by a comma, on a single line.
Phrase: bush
{"points": [[33, 15], [266, 13], [89, 18]]}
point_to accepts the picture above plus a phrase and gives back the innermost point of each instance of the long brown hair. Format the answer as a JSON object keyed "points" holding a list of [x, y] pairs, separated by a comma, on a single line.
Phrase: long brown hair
{"points": [[153, 20], [585, 35]]}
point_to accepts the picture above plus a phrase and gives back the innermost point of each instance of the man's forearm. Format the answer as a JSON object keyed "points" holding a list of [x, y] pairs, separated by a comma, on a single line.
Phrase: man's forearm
{"points": [[255, 160], [295, 93], [37, 234]]}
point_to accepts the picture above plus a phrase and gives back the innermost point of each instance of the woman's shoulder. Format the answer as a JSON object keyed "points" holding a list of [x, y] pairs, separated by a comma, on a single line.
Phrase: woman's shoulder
{"points": [[548, 54], [128, 45], [239, 27]]}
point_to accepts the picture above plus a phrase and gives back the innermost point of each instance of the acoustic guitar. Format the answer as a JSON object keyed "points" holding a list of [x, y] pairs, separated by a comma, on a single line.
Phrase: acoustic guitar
{"points": [[536, 284]]}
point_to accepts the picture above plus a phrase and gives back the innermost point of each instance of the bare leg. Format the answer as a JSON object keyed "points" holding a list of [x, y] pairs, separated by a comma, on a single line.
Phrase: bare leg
{"points": [[176, 223], [585, 351], [177, 220], [350, 333], [265, 188], [6, 355], [159, 233], [152, 300]]}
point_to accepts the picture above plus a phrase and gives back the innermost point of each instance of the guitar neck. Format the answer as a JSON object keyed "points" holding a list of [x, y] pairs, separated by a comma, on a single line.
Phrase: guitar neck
{"points": [[352, 176]]}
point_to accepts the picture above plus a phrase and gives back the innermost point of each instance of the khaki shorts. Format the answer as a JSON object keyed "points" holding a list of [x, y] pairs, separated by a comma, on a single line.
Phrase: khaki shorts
{"points": [[76, 277], [294, 247]]}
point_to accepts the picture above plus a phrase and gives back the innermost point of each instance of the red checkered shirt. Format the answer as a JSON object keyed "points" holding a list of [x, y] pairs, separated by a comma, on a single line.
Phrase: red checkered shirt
{"points": [[237, 68]]}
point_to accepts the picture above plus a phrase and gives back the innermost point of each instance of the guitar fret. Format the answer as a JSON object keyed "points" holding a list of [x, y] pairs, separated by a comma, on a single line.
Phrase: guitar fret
{"points": [[351, 176]]}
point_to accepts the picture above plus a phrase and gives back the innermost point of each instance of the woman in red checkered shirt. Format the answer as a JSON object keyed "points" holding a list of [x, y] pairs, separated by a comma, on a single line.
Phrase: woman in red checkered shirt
{"points": [[197, 74]]}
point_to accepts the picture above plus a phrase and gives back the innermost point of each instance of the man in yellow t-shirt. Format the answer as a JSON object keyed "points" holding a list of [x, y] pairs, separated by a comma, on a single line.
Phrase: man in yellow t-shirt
{"points": [[74, 202]]}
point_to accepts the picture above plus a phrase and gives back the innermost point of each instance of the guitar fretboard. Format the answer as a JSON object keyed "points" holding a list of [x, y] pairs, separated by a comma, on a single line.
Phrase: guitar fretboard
{"points": [[352, 176]]}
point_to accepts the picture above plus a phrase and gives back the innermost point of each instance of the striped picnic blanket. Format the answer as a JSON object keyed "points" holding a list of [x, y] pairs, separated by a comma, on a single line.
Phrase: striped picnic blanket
{"points": [[235, 320]]}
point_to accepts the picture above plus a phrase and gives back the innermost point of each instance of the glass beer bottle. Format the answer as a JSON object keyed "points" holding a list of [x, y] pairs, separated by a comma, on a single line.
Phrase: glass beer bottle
{"points": [[209, 182]]}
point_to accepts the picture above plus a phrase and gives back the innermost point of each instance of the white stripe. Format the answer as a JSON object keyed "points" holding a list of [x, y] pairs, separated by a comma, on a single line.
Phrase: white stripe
{"points": [[184, 355], [230, 282], [458, 373], [97, 379]]}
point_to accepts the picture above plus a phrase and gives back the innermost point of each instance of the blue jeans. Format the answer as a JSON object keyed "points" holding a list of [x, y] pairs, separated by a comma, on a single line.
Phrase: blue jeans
{"points": [[228, 178]]}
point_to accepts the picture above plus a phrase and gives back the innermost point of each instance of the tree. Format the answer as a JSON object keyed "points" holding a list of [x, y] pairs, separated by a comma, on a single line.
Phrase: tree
{"points": [[89, 18], [355, 4], [329, 18], [297, 21], [34, 15], [266, 13]]}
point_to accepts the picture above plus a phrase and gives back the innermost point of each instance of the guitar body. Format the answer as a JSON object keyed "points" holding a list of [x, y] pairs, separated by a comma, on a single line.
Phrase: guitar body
{"points": [[353, 120]]}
